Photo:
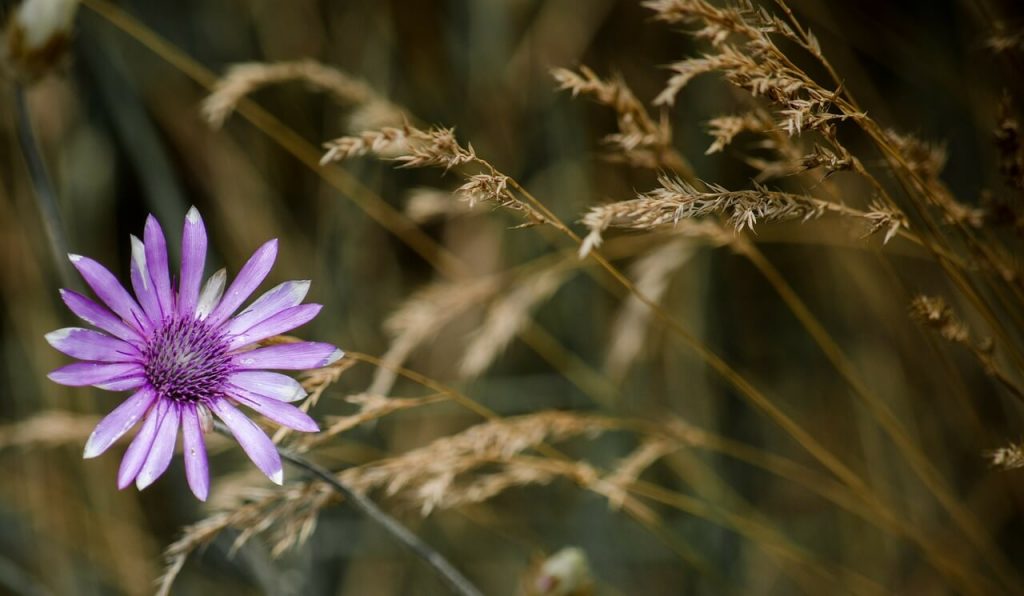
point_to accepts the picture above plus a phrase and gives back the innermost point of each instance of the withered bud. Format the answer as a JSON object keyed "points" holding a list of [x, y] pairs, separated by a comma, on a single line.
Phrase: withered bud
{"points": [[37, 37]]}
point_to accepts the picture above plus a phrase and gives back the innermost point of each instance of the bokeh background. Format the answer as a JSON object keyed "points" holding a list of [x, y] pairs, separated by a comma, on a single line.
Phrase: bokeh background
{"points": [[122, 135]]}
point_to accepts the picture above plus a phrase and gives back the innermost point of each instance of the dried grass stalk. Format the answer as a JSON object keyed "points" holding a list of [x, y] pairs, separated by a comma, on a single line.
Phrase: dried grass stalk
{"points": [[1005, 42], [424, 205], [749, 58], [676, 201], [314, 382], [934, 313], [493, 188], [508, 315], [422, 316], [725, 128], [926, 161], [615, 485], [652, 273], [434, 475], [286, 515], [1007, 209], [244, 79], [371, 407], [640, 140], [52, 428], [410, 146], [717, 23]]}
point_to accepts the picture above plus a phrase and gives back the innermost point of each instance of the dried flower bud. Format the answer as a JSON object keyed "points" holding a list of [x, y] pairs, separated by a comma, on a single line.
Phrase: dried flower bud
{"points": [[564, 573], [38, 36]]}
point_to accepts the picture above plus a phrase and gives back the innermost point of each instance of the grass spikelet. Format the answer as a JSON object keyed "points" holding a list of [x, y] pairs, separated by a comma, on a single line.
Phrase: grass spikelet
{"points": [[725, 128], [1010, 457]]}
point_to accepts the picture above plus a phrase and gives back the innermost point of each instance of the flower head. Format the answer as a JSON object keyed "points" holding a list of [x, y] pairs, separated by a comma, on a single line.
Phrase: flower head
{"points": [[187, 356]]}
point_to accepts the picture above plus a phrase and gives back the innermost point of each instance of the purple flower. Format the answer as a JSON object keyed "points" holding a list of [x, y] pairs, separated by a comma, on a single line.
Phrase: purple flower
{"points": [[186, 357]]}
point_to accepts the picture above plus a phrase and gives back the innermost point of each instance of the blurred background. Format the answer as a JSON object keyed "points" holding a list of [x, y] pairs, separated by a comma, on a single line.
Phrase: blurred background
{"points": [[121, 133]]}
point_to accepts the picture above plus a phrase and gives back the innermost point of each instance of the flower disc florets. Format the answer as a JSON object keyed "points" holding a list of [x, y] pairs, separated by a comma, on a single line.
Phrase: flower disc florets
{"points": [[187, 360]]}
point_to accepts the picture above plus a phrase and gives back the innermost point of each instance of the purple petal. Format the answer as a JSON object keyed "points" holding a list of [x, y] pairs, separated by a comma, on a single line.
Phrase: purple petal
{"points": [[111, 292], [145, 291], [127, 382], [256, 444], [80, 374], [162, 451], [156, 258], [286, 295], [138, 451], [193, 259], [278, 411], [196, 468], [115, 424], [248, 279], [268, 384], [211, 295], [297, 356], [96, 315], [86, 344], [286, 320]]}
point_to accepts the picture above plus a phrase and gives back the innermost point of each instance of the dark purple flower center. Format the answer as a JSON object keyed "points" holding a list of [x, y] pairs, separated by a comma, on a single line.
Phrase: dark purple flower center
{"points": [[187, 360]]}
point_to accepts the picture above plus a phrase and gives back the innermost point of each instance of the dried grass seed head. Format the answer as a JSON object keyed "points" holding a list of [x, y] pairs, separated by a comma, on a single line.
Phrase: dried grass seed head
{"points": [[244, 79], [410, 146]]}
